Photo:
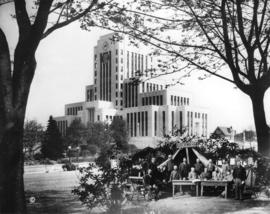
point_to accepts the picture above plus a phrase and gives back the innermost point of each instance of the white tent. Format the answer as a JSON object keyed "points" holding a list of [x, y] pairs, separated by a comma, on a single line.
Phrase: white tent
{"points": [[198, 155]]}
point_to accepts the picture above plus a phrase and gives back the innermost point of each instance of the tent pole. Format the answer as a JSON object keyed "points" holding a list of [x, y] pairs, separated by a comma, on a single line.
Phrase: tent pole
{"points": [[187, 156]]}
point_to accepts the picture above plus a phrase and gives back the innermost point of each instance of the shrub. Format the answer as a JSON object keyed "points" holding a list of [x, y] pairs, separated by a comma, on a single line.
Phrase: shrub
{"points": [[69, 166], [103, 187]]}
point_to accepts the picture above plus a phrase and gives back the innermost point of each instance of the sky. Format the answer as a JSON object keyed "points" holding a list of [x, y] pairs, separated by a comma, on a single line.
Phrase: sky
{"points": [[64, 68]]}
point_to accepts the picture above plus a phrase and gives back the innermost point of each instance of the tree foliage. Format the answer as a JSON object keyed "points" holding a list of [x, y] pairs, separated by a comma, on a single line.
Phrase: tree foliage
{"points": [[52, 144], [32, 137], [99, 134], [102, 188], [119, 133], [75, 134]]}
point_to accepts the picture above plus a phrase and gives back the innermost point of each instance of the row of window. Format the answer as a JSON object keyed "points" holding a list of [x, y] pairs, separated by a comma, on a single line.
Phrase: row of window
{"points": [[116, 53], [131, 95], [136, 63], [148, 87], [153, 100], [109, 117], [105, 76], [116, 77], [190, 123], [116, 86], [121, 51], [74, 110], [89, 95], [121, 94], [116, 69], [179, 101], [137, 123], [62, 127], [121, 102], [121, 60]]}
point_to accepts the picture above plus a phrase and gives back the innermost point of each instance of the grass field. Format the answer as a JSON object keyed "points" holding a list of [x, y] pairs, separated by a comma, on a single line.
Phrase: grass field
{"points": [[53, 195]]}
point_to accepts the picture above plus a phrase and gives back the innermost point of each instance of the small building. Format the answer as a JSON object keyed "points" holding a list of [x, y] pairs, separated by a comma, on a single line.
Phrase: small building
{"points": [[224, 132]]}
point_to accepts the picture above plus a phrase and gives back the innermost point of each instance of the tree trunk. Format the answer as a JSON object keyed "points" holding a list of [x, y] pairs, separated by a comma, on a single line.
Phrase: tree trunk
{"points": [[262, 129], [12, 198]]}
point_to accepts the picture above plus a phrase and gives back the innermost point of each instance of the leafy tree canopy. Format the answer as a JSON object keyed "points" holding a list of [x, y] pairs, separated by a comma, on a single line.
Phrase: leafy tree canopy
{"points": [[52, 144], [33, 134]]}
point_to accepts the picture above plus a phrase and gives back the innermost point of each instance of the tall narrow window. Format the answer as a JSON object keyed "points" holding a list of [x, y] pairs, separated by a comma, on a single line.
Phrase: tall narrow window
{"points": [[131, 124], [191, 122], [146, 123], [161, 100], [139, 122], [163, 122], [202, 124], [135, 124], [181, 120], [142, 123], [155, 123], [128, 123], [172, 120], [188, 122]]}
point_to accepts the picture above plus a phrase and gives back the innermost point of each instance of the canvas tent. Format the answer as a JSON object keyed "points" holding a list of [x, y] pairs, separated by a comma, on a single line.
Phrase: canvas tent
{"points": [[190, 153]]}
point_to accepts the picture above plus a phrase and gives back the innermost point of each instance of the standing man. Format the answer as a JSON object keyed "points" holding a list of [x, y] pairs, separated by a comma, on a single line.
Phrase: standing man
{"points": [[170, 164], [239, 176], [184, 169], [198, 167], [210, 167]]}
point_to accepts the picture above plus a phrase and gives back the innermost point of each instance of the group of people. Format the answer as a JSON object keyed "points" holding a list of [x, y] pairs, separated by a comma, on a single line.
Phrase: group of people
{"points": [[155, 177], [198, 171]]}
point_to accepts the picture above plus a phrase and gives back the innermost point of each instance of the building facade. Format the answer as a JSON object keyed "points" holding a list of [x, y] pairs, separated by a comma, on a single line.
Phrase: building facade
{"points": [[149, 108]]}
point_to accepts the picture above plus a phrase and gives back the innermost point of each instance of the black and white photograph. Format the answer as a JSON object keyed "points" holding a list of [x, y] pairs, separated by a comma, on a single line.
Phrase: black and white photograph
{"points": [[134, 106]]}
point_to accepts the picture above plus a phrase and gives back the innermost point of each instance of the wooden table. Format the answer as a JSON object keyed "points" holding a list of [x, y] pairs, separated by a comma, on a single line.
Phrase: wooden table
{"points": [[215, 183], [185, 183], [135, 182]]}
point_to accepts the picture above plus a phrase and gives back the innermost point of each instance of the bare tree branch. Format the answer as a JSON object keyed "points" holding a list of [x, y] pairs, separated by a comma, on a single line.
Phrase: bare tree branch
{"points": [[77, 17]]}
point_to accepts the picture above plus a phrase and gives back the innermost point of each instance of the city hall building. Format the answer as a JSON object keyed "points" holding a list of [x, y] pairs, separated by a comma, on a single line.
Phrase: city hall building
{"points": [[149, 108]]}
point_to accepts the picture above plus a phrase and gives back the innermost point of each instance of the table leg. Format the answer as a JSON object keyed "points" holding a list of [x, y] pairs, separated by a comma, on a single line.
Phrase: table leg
{"points": [[173, 190], [201, 190], [197, 190], [181, 190], [226, 191]]}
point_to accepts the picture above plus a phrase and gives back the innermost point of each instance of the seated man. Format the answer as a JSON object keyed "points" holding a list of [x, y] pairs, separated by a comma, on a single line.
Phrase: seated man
{"points": [[151, 186], [174, 174], [192, 175], [205, 174], [217, 175]]}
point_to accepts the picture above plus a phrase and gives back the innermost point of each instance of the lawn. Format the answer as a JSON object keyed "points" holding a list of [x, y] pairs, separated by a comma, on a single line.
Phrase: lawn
{"points": [[53, 195]]}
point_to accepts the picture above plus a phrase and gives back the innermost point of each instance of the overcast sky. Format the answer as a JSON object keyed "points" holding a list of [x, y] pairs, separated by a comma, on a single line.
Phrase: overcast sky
{"points": [[64, 68]]}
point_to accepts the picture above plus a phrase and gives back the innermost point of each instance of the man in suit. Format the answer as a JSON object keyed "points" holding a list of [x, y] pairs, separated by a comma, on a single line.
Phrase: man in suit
{"points": [[198, 167], [184, 169], [170, 164], [239, 176]]}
